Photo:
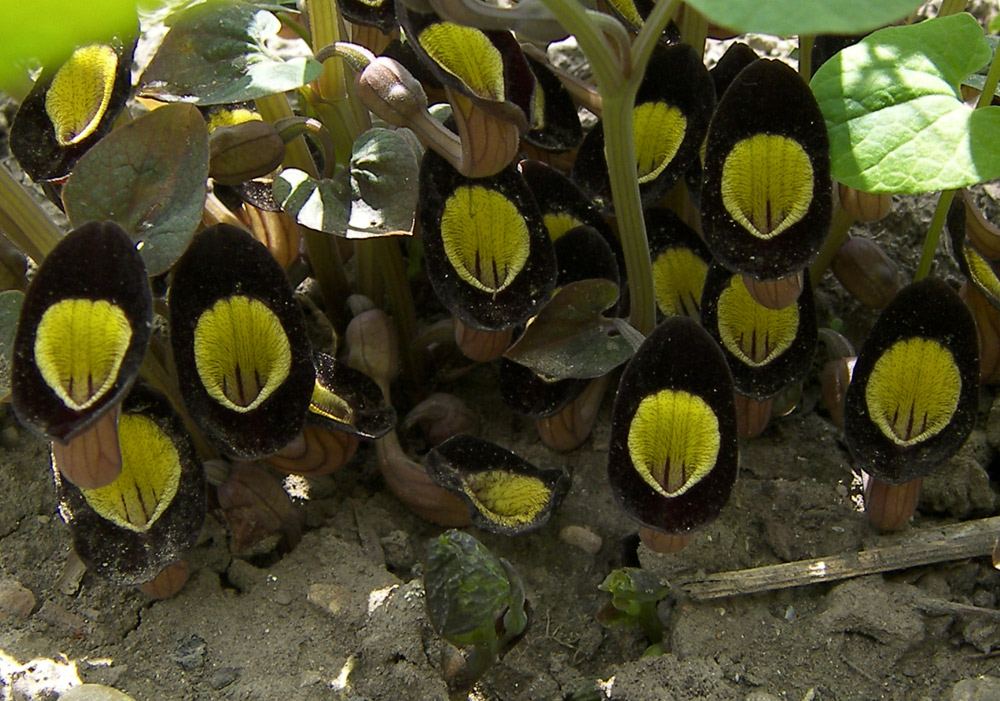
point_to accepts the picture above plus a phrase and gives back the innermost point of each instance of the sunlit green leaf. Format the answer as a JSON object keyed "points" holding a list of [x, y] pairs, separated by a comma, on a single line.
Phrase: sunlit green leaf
{"points": [[570, 337], [384, 169], [215, 53], [787, 17], [323, 205], [10, 309], [149, 177], [894, 110]]}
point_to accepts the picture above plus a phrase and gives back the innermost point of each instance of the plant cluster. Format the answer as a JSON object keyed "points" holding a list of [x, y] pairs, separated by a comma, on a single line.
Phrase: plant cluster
{"points": [[245, 290]]}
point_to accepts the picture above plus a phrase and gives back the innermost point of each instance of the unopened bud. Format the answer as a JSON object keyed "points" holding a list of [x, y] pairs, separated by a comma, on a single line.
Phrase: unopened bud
{"points": [[864, 206], [389, 90], [442, 416], [865, 271], [834, 379], [244, 151], [372, 347], [260, 515]]}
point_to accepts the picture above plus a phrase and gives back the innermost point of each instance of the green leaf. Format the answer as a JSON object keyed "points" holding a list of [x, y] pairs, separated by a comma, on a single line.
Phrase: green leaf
{"points": [[570, 337], [10, 310], [894, 111], [978, 80], [322, 205], [787, 17], [148, 176], [215, 53], [384, 170], [467, 589]]}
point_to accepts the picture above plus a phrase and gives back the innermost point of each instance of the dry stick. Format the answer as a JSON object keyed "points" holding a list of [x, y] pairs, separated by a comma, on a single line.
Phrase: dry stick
{"points": [[924, 547]]}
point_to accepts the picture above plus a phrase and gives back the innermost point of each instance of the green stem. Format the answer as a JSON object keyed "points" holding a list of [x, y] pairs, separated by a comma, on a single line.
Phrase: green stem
{"points": [[952, 7], [650, 34], [805, 56], [992, 78], [619, 148], [324, 258], [694, 29], [933, 234], [838, 234], [23, 222], [573, 17], [941, 211], [401, 306], [618, 95]]}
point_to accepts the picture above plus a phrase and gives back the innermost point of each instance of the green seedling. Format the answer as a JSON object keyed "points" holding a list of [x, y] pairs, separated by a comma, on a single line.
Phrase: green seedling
{"points": [[476, 602], [635, 592]]}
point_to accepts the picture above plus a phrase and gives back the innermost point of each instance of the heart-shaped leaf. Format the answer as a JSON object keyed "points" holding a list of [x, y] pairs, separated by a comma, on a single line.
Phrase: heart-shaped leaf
{"points": [[384, 169], [570, 337], [216, 53], [787, 17], [894, 110], [149, 177], [320, 204]]}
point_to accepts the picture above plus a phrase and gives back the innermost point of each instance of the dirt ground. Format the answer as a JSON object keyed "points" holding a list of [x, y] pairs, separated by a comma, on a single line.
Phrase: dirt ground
{"points": [[342, 616]]}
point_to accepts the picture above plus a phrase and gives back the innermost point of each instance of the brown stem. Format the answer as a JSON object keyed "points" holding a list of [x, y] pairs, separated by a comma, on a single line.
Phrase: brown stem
{"points": [[569, 428], [481, 346], [168, 582], [317, 451], [664, 543], [775, 294], [890, 506], [752, 416], [412, 486], [92, 459]]}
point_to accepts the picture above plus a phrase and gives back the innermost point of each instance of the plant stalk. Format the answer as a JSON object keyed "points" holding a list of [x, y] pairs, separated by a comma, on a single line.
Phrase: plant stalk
{"points": [[618, 94], [23, 222], [934, 234], [951, 7], [941, 212], [992, 78], [324, 258], [805, 56], [838, 234]]}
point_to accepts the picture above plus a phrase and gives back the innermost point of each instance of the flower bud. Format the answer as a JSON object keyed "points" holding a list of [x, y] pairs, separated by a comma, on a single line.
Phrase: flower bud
{"points": [[244, 151], [864, 206], [260, 515], [391, 92], [442, 416], [372, 347], [865, 271], [834, 379]]}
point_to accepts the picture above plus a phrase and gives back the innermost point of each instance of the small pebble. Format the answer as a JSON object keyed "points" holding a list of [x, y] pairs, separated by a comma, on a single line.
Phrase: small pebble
{"points": [[982, 688], [9, 437], [16, 602], [223, 677], [93, 692], [328, 597], [581, 537], [190, 653]]}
